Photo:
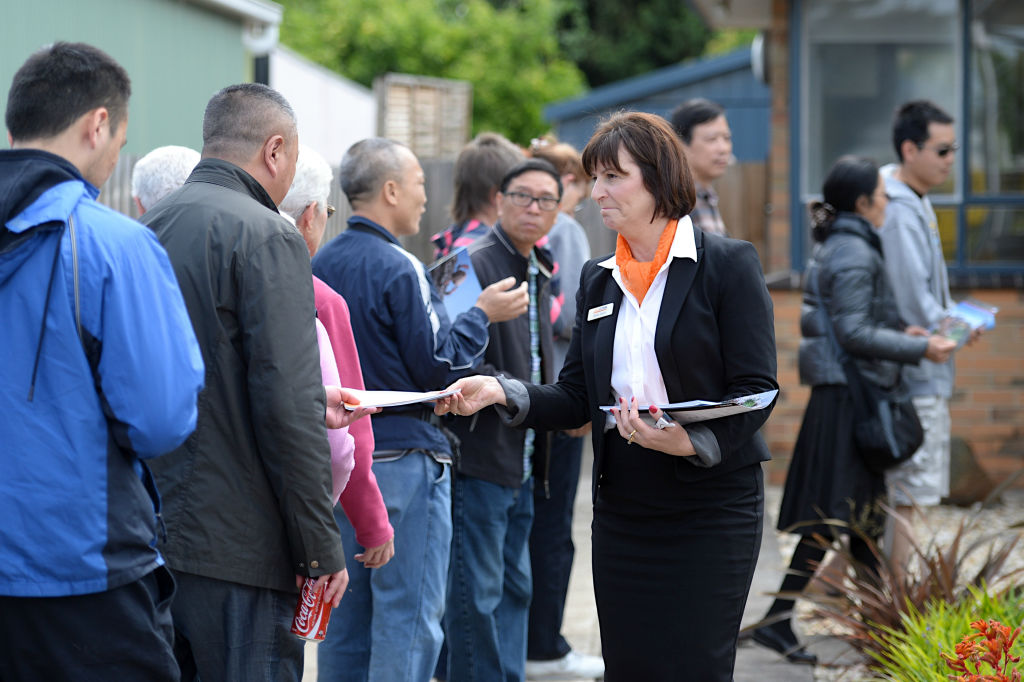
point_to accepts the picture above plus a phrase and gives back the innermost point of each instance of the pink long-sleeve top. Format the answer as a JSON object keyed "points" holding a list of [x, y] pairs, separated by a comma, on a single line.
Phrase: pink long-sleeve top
{"points": [[342, 444], [361, 498]]}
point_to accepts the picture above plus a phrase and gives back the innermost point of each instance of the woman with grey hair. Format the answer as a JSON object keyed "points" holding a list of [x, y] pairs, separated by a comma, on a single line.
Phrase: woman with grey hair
{"points": [[361, 502], [159, 173]]}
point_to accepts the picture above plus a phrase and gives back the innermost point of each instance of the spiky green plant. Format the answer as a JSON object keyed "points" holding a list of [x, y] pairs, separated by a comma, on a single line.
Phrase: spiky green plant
{"points": [[875, 600], [912, 652]]}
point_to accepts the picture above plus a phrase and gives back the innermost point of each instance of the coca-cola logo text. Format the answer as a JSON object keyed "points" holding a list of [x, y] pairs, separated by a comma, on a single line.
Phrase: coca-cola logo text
{"points": [[307, 607]]}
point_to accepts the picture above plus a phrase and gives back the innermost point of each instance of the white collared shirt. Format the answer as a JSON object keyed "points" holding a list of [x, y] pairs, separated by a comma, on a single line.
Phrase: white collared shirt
{"points": [[635, 368]]}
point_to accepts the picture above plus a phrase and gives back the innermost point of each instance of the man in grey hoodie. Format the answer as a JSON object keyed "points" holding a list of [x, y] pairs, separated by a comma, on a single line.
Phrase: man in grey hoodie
{"points": [[926, 145]]}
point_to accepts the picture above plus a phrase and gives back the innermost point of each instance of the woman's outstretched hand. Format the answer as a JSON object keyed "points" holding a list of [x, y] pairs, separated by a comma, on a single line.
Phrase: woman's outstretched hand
{"points": [[337, 416], [672, 440], [475, 393]]}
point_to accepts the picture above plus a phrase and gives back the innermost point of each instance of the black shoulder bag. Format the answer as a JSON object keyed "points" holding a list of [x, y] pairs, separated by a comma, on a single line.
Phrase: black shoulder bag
{"points": [[886, 428]]}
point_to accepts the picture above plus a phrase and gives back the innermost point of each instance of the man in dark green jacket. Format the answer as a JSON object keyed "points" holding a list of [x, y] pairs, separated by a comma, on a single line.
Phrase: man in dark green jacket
{"points": [[247, 498]]}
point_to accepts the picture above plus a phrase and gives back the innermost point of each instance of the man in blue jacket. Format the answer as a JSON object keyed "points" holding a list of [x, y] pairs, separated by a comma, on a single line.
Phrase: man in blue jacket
{"points": [[390, 627], [100, 372]]}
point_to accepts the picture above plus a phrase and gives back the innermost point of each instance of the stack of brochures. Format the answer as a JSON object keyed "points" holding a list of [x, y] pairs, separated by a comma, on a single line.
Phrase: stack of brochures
{"points": [[693, 411], [964, 318], [394, 398]]}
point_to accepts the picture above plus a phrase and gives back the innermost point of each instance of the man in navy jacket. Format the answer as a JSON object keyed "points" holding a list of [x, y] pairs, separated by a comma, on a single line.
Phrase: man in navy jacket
{"points": [[100, 372], [390, 628]]}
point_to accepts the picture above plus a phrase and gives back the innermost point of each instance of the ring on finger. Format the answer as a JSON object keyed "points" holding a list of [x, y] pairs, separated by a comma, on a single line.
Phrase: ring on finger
{"points": [[631, 437]]}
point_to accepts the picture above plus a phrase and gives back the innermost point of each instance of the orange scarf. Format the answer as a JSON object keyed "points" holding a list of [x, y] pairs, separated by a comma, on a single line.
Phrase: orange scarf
{"points": [[637, 276]]}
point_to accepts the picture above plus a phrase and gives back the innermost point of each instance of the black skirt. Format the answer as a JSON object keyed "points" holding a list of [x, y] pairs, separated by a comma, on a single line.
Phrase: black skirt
{"points": [[672, 562], [827, 478]]}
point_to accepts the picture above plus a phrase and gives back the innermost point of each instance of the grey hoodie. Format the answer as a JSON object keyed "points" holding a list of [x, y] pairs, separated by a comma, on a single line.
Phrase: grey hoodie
{"points": [[917, 272]]}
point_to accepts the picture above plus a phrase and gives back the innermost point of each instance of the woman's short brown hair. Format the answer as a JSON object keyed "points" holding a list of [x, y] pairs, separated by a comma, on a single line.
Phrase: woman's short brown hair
{"points": [[655, 148]]}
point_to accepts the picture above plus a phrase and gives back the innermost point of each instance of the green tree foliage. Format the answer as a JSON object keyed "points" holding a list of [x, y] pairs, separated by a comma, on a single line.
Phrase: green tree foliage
{"points": [[510, 54], [611, 39]]}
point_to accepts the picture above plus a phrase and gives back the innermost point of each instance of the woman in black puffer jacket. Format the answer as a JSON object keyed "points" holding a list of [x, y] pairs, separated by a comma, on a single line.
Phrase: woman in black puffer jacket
{"points": [[845, 285]]}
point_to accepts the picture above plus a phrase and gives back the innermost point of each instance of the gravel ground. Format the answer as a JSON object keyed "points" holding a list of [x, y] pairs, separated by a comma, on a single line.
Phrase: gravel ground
{"points": [[938, 525]]}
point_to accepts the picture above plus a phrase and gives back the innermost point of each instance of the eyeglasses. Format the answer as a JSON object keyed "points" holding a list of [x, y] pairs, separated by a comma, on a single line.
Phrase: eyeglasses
{"points": [[330, 210], [524, 200], [943, 150]]}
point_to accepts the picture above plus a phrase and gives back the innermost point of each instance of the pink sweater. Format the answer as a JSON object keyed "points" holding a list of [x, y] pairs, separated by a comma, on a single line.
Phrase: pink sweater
{"points": [[361, 499]]}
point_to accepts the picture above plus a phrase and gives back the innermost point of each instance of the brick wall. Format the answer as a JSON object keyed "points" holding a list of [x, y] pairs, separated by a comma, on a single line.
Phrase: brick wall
{"points": [[988, 403]]}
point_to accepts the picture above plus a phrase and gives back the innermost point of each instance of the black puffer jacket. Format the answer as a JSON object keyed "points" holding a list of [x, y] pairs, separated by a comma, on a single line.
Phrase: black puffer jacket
{"points": [[848, 270], [247, 497]]}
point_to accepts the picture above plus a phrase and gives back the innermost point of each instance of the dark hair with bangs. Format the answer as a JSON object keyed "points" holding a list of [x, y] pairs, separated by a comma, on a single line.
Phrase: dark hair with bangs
{"points": [[655, 148]]}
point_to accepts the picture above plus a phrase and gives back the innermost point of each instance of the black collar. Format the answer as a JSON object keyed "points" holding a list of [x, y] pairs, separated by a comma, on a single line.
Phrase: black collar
{"points": [[544, 256], [226, 174]]}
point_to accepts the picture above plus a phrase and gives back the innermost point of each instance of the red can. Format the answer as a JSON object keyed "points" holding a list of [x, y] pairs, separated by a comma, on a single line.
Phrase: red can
{"points": [[312, 613]]}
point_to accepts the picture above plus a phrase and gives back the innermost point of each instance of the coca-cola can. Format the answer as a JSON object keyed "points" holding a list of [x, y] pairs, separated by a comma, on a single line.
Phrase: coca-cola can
{"points": [[313, 612]]}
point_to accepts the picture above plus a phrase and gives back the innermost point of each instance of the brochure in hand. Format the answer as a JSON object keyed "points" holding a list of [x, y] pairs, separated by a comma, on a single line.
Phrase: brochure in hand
{"points": [[454, 277], [693, 411], [964, 318], [394, 398]]}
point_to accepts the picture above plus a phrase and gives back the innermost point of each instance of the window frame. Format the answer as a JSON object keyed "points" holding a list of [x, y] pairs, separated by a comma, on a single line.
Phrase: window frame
{"points": [[961, 200]]}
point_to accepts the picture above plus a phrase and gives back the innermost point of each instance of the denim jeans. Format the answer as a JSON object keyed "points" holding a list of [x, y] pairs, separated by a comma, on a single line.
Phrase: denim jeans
{"points": [[388, 628], [228, 631], [489, 581], [551, 549]]}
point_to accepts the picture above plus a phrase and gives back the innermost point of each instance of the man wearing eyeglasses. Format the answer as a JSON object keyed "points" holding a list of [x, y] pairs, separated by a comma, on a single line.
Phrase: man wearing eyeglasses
{"points": [[489, 585], [925, 143]]}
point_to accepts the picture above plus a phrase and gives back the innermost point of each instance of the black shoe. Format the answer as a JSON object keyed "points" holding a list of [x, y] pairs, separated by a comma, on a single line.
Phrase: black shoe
{"points": [[790, 648]]}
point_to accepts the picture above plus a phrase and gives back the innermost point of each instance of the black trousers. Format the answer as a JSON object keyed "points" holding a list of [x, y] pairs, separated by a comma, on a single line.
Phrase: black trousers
{"points": [[121, 634], [673, 562]]}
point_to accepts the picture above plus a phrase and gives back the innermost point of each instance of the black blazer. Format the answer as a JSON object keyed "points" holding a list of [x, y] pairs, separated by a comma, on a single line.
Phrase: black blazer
{"points": [[715, 339]]}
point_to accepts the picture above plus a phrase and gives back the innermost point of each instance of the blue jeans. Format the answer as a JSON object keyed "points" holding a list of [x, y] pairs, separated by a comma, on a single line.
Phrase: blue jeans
{"points": [[229, 631], [489, 581], [552, 550], [388, 627]]}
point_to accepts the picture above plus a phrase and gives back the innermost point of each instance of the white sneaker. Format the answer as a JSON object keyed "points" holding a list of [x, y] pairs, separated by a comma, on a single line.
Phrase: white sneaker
{"points": [[570, 666]]}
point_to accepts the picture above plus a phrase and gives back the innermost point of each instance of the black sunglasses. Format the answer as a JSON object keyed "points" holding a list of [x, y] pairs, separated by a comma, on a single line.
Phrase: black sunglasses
{"points": [[944, 150]]}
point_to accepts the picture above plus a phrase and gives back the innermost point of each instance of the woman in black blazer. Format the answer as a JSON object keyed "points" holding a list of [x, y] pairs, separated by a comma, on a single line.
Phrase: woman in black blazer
{"points": [[674, 315]]}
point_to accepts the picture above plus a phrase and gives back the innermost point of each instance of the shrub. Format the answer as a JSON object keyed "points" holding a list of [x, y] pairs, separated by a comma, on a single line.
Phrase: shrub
{"points": [[913, 652], [877, 600]]}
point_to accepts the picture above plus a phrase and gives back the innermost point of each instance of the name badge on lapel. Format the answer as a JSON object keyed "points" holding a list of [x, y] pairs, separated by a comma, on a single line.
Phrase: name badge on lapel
{"points": [[600, 311]]}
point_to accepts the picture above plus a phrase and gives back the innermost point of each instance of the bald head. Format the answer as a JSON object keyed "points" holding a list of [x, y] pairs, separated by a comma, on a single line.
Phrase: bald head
{"points": [[240, 118]]}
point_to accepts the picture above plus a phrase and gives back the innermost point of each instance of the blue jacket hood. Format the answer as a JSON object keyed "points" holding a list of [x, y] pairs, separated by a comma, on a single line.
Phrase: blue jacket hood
{"points": [[25, 174]]}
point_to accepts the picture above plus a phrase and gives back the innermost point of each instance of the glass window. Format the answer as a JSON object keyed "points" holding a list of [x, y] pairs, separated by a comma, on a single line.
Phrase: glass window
{"points": [[997, 97], [995, 235], [946, 217], [862, 59]]}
